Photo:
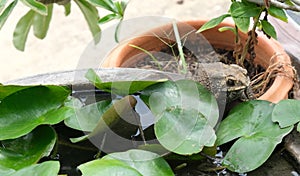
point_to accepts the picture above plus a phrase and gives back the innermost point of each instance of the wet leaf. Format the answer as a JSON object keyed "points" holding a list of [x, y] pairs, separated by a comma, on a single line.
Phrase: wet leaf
{"points": [[268, 29], [185, 112], [26, 109], [119, 118], [48, 168], [6, 12], [119, 87], [107, 167], [258, 136], [91, 16], [22, 29], [183, 94], [41, 23], [6, 171], [146, 163], [278, 13], [286, 113], [10, 89], [86, 118], [27, 150], [213, 23], [184, 131], [36, 6]]}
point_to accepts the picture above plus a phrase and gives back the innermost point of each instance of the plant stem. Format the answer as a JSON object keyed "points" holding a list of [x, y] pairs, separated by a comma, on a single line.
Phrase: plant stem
{"points": [[182, 62], [148, 53], [64, 143], [249, 39]]}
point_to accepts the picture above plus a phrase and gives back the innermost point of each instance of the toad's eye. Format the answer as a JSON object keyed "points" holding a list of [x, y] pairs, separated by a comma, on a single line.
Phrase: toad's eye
{"points": [[230, 82]]}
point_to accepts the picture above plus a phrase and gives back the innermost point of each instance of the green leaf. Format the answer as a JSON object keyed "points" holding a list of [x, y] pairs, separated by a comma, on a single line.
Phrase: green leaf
{"points": [[258, 136], [91, 16], [41, 23], [36, 6], [2, 4], [241, 13], [6, 12], [6, 171], [10, 89], [147, 163], [268, 29], [184, 131], [24, 110], [184, 94], [298, 127], [87, 117], [27, 150], [119, 87], [241, 9], [242, 23], [185, 112], [119, 118], [67, 8], [107, 167], [121, 6], [278, 13], [22, 29], [105, 4], [286, 113], [213, 23], [108, 18], [48, 168]]}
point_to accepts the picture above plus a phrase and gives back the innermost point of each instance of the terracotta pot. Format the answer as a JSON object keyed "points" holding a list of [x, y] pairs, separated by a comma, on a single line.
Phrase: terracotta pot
{"points": [[265, 49]]}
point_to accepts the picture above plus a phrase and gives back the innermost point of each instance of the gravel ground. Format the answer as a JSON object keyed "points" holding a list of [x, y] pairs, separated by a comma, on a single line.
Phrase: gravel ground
{"points": [[69, 36]]}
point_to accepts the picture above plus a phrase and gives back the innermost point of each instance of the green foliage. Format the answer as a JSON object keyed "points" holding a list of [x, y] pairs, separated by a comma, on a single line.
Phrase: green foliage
{"points": [[18, 117], [286, 113], [91, 15], [7, 11], [27, 150], [278, 13], [242, 11], [49, 168], [213, 22], [36, 6], [39, 16], [108, 167], [183, 116], [258, 135], [185, 113], [41, 23], [132, 162], [86, 118], [268, 29], [22, 29], [118, 118]]}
